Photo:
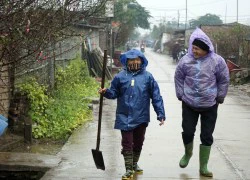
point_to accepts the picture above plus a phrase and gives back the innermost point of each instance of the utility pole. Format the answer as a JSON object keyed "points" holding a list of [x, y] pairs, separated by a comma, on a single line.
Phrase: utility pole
{"points": [[186, 17], [111, 45], [178, 24], [225, 21], [109, 12], [237, 11]]}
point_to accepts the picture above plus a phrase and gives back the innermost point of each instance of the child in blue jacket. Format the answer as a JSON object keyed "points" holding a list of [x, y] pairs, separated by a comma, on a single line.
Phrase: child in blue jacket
{"points": [[133, 88]]}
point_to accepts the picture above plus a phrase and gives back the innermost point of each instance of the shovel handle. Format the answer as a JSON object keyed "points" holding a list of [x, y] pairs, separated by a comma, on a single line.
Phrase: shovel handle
{"points": [[101, 100]]}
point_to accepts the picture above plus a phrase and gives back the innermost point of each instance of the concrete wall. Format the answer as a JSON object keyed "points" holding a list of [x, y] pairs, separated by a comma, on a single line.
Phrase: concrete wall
{"points": [[4, 90]]}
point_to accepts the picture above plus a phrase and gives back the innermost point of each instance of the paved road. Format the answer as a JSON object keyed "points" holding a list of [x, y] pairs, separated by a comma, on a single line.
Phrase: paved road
{"points": [[163, 145]]}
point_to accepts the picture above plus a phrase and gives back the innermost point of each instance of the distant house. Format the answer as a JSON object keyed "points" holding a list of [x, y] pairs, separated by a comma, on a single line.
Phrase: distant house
{"points": [[176, 42], [229, 40], [165, 38]]}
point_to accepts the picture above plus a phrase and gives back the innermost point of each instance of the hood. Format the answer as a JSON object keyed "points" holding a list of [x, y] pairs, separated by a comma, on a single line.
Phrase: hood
{"points": [[133, 53], [199, 34]]}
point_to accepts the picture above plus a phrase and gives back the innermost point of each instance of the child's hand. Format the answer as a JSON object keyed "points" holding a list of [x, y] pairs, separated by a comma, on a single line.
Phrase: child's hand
{"points": [[102, 91], [162, 122]]}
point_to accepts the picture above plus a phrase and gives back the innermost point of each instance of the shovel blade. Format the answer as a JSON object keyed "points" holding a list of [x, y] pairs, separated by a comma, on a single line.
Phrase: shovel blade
{"points": [[98, 158]]}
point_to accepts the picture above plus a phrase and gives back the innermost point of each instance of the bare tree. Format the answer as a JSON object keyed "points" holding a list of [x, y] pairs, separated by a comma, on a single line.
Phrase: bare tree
{"points": [[29, 26]]}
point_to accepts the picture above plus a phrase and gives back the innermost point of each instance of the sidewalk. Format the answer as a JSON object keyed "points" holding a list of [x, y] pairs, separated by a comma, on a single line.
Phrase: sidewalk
{"points": [[160, 157], [162, 148]]}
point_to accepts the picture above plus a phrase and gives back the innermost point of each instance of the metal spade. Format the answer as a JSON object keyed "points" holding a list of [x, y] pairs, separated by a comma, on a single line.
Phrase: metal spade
{"points": [[97, 154]]}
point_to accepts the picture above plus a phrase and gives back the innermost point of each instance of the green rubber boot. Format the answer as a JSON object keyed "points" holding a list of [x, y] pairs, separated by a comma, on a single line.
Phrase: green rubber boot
{"points": [[188, 154], [136, 168], [128, 159], [204, 157]]}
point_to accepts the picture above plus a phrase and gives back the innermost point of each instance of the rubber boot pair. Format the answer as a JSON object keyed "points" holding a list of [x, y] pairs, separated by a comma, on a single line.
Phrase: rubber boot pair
{"points": [[203, 157], [128, 160]]}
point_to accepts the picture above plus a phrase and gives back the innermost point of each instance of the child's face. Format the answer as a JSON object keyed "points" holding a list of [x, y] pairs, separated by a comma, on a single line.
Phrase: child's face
{"points": [[134, 64]]}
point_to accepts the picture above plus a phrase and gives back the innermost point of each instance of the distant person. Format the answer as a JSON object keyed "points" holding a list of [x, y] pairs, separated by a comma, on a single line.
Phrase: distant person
{"points": [[201, 83], [133, 88], [143, 47], [175, 51], [128, 47]]}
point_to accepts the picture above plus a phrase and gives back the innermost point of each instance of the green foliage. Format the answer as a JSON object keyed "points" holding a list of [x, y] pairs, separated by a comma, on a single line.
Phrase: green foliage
{"points": [[135, 35], [208, 19], [56, 115], [232, 42], [39, 102], [130, 15], [164, 27]]}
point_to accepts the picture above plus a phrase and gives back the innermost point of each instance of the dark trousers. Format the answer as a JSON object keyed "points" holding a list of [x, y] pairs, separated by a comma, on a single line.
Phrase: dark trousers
{"points": [[190, 118], [133, 140]]}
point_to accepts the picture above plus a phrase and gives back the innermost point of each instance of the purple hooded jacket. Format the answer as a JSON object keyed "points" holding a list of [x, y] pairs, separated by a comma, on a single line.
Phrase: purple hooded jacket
{"points": [[199, 82]]}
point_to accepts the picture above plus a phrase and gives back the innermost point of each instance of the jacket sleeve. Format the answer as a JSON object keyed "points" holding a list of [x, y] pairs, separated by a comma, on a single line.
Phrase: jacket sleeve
{"points": [[179, 81], [157, 100], [113, 91], [222, 77]]}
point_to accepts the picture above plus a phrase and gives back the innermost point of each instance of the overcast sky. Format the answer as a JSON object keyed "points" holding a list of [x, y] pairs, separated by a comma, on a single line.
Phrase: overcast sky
{"points": [[225, 9]]}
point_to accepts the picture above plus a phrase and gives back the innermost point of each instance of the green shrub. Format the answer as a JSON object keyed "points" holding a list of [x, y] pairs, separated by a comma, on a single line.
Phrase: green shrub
{"points": [[56, 115]]}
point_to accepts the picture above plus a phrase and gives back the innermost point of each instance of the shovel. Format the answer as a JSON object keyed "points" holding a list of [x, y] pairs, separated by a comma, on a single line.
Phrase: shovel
{"points": [[97, 155]]}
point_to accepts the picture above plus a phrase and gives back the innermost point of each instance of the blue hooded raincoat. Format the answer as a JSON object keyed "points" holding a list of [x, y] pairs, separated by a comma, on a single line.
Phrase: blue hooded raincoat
{"points": [[133, 92], [198, 82]]}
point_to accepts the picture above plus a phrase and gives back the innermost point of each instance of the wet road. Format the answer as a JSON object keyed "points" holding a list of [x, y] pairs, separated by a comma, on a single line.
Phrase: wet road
{"points": [[163, 146]]}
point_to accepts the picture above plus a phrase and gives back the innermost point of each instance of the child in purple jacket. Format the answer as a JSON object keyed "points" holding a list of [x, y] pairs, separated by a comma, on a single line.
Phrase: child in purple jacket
{"points": [[201, 83]]}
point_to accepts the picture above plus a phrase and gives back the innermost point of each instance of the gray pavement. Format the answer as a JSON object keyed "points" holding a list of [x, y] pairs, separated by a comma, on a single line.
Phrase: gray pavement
{"points": [[163, 144]]}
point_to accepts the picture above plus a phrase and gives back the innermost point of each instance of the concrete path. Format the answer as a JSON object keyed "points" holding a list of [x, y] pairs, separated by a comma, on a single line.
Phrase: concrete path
{"points": [[163, 145]]}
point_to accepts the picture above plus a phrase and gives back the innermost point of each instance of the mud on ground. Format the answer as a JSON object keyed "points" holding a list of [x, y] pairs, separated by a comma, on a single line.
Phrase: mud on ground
{"points": [[10, 142]]}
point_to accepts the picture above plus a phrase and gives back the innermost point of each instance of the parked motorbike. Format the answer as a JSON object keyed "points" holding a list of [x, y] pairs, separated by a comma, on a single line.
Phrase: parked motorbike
{"points": [[143, 48], [181, 53]]}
